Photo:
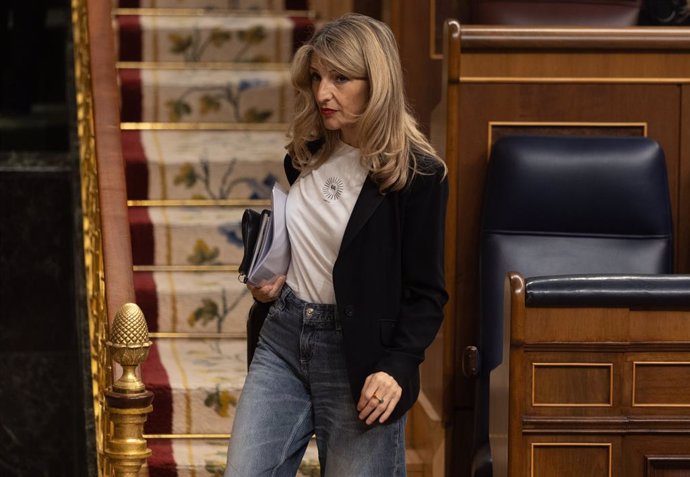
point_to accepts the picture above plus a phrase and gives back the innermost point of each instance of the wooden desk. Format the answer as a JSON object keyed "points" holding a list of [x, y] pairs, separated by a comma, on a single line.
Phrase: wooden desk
{"points": [[598, 391]]}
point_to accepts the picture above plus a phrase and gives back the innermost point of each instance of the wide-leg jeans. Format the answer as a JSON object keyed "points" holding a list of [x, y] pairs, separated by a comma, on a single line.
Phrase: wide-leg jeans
{"points": [[298, 386]]}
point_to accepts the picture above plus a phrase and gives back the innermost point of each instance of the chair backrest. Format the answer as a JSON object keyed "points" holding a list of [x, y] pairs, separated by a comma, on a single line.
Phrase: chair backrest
{"points": [[557, 205], [596, 13], [566, 205]]}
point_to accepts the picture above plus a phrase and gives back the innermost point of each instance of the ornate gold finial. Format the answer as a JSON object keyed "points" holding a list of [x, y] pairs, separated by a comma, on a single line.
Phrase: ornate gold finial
{"points": [[128, 401], [129, 344]]}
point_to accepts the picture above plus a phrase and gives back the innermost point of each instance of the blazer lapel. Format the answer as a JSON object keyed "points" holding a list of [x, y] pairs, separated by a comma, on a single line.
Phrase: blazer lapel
{"points": [[367, 202]]}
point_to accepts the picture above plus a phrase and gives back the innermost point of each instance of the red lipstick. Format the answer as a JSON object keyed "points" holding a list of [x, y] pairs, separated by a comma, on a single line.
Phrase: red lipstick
{"points": [[325, 112]]}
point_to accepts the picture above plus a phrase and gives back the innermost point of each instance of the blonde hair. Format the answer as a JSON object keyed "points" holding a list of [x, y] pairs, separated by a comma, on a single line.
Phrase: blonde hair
{"points": [[358, 46]]}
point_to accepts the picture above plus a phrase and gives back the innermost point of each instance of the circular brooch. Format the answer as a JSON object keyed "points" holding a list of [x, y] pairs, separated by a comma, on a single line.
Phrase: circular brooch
{"points": [[332, 189]]}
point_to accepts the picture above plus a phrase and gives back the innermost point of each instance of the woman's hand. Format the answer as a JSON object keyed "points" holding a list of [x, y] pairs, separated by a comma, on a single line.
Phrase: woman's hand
{"points": [[380, 394], [268, 291]]}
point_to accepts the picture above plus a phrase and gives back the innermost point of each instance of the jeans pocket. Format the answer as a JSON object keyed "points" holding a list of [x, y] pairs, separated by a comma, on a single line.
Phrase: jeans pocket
{"points": [[387, 331]]}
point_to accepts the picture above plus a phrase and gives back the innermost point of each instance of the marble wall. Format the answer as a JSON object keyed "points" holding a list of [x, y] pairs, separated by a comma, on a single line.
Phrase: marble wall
{"points": [[43, 405], [46, 423]]}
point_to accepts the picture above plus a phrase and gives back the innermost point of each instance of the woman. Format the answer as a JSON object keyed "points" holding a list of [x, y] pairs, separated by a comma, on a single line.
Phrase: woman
{"points": [[340, 349]]}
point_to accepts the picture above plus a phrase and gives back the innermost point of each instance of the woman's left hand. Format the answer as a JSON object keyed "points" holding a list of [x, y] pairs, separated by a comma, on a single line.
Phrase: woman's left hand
{"points": [[380, 394]]}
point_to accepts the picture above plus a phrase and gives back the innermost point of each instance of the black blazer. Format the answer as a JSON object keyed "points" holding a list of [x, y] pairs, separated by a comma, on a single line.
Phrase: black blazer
{"points": [[388, 280]]}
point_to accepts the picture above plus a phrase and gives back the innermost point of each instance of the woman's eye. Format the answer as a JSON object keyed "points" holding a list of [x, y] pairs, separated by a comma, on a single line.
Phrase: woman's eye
{"points": [[341, 79], [315, 77]]}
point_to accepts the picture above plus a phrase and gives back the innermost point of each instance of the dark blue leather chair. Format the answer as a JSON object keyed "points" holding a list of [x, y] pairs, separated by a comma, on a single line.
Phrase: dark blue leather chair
{"points": [[555, 206]]}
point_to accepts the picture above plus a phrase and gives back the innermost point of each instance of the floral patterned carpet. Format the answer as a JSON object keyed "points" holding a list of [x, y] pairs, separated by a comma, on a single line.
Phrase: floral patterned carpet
{"points": [[205, 100]]}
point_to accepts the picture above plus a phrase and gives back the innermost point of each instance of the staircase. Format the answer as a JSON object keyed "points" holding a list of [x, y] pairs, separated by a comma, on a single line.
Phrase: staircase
{"points": [[206, 96]]}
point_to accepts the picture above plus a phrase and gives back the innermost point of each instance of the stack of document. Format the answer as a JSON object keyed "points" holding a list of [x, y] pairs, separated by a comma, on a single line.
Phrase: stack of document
{"points": [[272, 252]]}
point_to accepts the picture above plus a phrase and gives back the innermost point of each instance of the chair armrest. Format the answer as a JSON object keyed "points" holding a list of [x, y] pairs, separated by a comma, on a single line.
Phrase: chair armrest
{"points": [[625, 291]]}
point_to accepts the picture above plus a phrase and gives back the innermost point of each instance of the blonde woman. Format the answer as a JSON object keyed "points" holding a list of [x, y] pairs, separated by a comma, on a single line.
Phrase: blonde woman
{"points": [[340, 349]]}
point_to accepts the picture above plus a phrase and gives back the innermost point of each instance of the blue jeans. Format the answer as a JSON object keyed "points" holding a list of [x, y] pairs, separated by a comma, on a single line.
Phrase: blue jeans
{"points": [[298, 386]]}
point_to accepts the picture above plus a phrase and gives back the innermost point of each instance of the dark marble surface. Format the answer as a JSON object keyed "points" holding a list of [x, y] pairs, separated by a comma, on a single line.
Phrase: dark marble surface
{"points": [[38, 414], [44, 379], [46, 416], [36, 263]]}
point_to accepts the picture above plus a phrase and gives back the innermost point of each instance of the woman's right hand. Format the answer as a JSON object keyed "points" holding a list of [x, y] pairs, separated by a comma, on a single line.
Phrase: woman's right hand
{"points": [[268, 291]]}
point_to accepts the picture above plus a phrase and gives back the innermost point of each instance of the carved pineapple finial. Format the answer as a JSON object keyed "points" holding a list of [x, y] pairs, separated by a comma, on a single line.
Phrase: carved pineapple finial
{"points": [[129, 345]]}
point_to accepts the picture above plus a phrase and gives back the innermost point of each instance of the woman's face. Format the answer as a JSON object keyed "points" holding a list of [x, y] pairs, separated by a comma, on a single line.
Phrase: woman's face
{"points": [[340, 99]]}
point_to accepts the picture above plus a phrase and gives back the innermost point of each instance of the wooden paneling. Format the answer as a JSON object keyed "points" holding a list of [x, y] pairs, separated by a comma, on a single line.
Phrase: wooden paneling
{"points": [[661, 384], [643, 386], [572, 384], [411, 22], [667, 466], [664, 456], [570, 459], [329, 9], [571, 456], [566, 81]]}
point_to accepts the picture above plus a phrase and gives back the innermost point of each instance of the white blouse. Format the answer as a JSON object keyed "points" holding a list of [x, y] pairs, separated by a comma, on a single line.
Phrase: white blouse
{"points": [[319, 206]]}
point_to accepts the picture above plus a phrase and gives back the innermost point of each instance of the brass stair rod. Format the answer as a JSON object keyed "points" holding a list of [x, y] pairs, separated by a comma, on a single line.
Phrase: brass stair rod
{"points": [[128, 401]]}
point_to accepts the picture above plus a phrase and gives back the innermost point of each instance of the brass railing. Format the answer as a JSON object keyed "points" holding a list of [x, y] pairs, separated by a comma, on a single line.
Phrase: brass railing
{"points": [[120, 409]]}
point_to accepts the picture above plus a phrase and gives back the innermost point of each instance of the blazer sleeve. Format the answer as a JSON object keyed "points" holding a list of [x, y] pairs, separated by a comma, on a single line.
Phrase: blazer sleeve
{"points": [[423, 283]]}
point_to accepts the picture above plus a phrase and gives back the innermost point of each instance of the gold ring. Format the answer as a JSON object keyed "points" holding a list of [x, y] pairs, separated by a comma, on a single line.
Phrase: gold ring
{"points": [[379, 399]]}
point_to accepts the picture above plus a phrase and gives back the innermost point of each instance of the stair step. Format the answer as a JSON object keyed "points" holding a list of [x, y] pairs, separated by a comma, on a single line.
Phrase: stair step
{"points": [[227, 39], [199, 399], [220, 96], [206, 457], [193, 302], [198, 236], [274, 5], [162, 165], [196, 384]]}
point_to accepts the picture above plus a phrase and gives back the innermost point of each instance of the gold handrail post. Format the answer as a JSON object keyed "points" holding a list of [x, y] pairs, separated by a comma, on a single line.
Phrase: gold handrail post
{"points": [[128, 402]]}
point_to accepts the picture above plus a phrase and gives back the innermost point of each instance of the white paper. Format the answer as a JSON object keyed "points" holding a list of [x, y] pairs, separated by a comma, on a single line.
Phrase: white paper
{"points": [[274, 255]]}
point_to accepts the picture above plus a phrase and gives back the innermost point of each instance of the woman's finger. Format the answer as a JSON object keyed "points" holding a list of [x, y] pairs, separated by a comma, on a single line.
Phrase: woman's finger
{"points": [[379, 397], [389, 409]]}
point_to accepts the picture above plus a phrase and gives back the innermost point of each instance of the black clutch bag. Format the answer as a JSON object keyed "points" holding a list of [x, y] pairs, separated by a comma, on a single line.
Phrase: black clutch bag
{"points": [[253, 223], [251, 238]]}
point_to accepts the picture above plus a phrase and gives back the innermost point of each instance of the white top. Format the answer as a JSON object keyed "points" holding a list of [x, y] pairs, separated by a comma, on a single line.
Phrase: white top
{"points": [[319, 206]]}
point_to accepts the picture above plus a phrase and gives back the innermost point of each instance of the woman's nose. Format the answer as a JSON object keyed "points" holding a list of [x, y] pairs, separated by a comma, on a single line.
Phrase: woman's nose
{"points": [[324, 91]]}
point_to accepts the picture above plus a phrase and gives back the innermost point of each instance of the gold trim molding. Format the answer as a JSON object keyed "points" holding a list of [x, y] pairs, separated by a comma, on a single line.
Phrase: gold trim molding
{"points": [[185, 268], [101, 376], [208, 12], [199, 203], [607, 445], [192, 66], [204, 336], [570, 80], [572, 365], [655, 363], [183, 126], [186, 436]]}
